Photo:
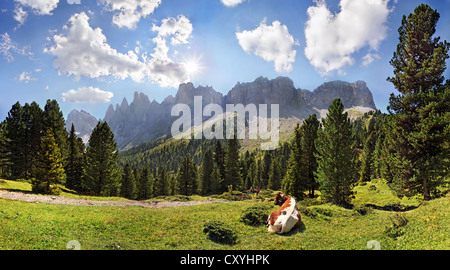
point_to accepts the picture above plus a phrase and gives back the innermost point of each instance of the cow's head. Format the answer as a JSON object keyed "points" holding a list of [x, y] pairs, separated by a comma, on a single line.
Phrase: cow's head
{"points": [[280, 199]]}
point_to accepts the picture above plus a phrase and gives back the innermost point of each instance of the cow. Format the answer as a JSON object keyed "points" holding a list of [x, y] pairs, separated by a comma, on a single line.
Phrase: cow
{"points": [[286, 218]]}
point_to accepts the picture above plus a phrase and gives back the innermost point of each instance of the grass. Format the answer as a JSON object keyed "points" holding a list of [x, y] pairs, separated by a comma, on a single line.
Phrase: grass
{"points": [[47, 226]]}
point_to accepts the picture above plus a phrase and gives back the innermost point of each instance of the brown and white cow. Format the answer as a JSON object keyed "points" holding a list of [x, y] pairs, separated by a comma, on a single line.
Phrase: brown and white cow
{"points": [[286, 218]]}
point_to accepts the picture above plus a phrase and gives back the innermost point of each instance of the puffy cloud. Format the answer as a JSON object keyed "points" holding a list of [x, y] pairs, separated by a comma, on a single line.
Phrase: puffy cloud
{"points": [[84, 51], [25, 77], [273, 43], [8, 47], [40, 7], [88, 94], [129, 12], [232, 3], [332, 39]]}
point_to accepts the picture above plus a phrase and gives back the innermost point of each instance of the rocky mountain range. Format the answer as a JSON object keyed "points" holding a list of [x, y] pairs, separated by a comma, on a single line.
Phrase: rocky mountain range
{"points": [[143, 120]]}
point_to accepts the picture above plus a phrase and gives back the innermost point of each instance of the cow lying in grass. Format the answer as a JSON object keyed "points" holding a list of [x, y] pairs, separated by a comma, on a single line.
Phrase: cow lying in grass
{"points": [[286, 218]]}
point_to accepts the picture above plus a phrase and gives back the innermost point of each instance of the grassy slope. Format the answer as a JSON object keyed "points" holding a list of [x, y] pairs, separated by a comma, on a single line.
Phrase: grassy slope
{"points": [[45, 226]]}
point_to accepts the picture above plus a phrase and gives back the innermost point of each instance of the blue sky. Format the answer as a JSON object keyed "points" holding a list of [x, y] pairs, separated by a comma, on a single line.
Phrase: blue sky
{"points": [[88, 54]]}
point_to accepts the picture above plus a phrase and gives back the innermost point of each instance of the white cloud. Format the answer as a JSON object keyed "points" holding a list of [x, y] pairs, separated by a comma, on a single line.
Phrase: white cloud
{"points": [[129, 12], [273, 43], [369, 58], [25, 77], [232, 3], [8, 47], [84, 51], [40, 7], [70, 2], [89, 94], [20, 15], [332, 39]]}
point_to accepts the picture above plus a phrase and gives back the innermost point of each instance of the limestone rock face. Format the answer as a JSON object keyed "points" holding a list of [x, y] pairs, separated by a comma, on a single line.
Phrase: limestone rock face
{"points": [[142, 120], [83, 122]]}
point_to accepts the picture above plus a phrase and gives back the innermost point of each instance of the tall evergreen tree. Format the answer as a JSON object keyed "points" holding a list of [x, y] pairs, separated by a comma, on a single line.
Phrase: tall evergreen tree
{"points": [[275, 175], [336, 171], [419, 130], [49, 169], [53, 119], [232, 165], [205, 172], [161, 185], [75, 160], [4, 157], [187, 180], [32, 119], [102, 173], [219, 159], [145, 184], [308, 160], [16, 142], [128, 186], [292, 182]]}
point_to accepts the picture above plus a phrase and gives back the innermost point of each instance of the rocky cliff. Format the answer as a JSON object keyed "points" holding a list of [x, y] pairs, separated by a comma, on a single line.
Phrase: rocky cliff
{"points": [[142, 120]]}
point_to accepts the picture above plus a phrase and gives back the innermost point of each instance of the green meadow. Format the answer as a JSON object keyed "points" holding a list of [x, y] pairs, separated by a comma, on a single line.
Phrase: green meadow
{"points": [[30, 226]]}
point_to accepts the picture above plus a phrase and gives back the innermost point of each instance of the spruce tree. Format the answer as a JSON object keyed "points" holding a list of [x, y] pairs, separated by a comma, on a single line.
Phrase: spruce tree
{"points": [[161, 185], [292, 182], [102, 173], [336, 171], [16, 141], [32, 119], [187, 179], [145, 184], [53, 119], [308, 160], [219, 160], [275, 175], [49, 169], [75, 160], [419, 130], [232, 165], [4, 157], [205, 172], [128, 186]]}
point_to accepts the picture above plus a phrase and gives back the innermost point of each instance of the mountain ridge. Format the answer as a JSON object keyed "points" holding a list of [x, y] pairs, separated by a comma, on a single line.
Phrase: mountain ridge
{"points": [[141, 120]]}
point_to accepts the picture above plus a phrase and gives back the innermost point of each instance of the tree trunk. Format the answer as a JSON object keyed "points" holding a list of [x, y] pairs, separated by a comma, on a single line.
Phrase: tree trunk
{"points": [[426, 195]]}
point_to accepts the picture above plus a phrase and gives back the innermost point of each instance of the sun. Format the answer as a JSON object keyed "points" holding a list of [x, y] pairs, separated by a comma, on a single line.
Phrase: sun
{"points": [[193, 66]]}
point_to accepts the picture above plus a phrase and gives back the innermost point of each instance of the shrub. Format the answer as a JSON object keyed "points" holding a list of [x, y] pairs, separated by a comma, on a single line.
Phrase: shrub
{"points": [[255, 215], [307, 212], [397, 227], [220, 232], [362, 209], [234, 196]]}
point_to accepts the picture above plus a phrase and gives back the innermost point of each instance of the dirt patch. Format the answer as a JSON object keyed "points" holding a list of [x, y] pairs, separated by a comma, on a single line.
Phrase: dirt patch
{"points": [[20, 196]]}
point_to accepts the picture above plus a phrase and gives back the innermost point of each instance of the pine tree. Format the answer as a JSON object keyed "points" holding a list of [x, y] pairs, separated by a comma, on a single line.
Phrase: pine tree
{"points": [[161, 186], [419, 129], [292, 182], [219, 160], [232, 165], [32, 119], [4, 157], [275, 175], [216, 180], [75, 160], [128, 186], [187, 180], [16, 141], [102, 173], [308, 160], [49, 169], [53, 119], [205, 172], [145, 184], [336, 171]]}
